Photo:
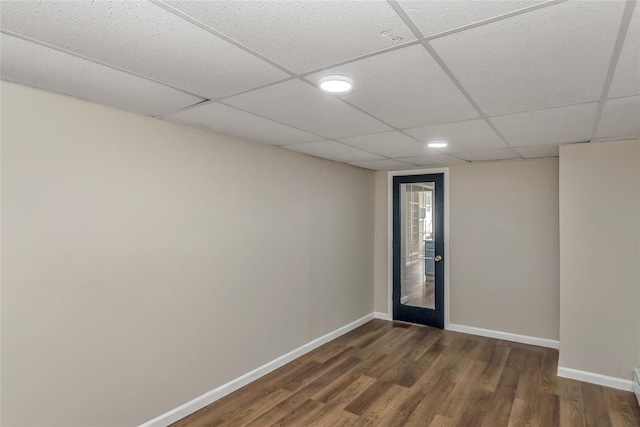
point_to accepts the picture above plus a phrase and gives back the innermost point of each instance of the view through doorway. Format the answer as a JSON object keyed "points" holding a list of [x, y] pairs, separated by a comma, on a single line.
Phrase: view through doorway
{"points": [[418, 268]]}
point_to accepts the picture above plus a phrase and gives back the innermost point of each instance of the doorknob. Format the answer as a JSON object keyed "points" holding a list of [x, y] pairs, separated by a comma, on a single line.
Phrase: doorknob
{"points": [[438, 258]]}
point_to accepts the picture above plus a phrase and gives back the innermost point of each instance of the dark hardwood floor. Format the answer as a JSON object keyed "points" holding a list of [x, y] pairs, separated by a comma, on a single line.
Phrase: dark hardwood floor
{"points": [[397, 374], [421, 288]]}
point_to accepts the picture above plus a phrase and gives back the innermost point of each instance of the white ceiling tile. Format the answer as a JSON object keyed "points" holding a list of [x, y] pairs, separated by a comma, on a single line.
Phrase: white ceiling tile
{"points": [[230, 121], [143, 38], [34, 65], [389, 144], [433, 17], [304, 106], [333, 150], [464, 136], [551, 126], [405, 88], [481, 156], [538, 151], [620, 118], [435, 160], [552, 56], [297, 34], [384, 165], [626, 80]]}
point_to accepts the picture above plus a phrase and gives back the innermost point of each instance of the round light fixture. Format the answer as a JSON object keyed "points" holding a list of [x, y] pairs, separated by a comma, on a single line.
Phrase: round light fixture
{"points": [[437, 144], [336, 84]]}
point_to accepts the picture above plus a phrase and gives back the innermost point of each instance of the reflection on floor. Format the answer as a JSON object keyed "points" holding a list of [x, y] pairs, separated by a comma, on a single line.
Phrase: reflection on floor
{"points": [[421, 288]]}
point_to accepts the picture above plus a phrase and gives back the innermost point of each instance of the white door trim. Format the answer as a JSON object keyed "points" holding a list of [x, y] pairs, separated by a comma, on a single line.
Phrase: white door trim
{"points": [[390, 176]]}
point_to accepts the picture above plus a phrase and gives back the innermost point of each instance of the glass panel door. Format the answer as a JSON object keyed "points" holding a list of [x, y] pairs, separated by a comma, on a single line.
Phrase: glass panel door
{"points": [[418, 249]]}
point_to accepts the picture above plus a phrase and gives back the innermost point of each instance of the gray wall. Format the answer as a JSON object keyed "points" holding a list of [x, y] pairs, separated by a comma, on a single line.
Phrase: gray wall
{"points": [[382, 245], [146, 263], [504, 272], [504, 247], [599, 255]]}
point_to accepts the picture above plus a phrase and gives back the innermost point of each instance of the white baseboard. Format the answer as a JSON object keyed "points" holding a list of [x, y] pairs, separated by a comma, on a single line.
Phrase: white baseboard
{"points": [[590, 377], [383, 316], [507, 336], [200, 402]]}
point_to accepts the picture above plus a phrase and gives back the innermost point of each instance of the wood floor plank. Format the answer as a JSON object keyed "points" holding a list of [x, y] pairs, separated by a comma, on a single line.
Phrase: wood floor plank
{"points": [[517, 358], [337, 403], [312, 388], [440, 421], [502, 403], [367, 398], [549, 409], [335, 388], [522, 413], [258, 408], [595, 413], [416, 370], [475, 409], [468, 381], [268, 418], [297, 416], [623, 409], [493, 370], [529, 382], [394, 374], [224, 408], [426, 410], [384, 409], [411, 401], [336, 418], [571, 406], [548, 376]]}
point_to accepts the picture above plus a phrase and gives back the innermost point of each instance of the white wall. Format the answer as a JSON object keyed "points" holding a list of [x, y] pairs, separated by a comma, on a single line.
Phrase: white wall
{"points": [[599, 255], [128, 286], [503, 244]]}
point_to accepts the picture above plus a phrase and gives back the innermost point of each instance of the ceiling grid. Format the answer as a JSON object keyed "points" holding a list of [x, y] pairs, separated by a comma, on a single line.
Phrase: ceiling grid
{"points": [[615, 56], [497, 80]]}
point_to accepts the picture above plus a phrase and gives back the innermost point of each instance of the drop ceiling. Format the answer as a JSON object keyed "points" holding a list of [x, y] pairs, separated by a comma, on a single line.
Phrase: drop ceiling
{"points": [[498, 80]]}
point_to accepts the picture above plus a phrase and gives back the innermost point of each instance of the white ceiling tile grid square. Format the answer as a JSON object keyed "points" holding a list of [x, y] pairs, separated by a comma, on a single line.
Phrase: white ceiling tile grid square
{"points": [[145, 39], [333, 150], [434, 17], [405, 88], [34, 65], [305, 107], [392, 144], [626, 79], [620, 118], [435, 160], [481, 156], [557, 55], [550, 126], [230, 121], [538, 151], [470, 135], [384, 165], [297, 34]]}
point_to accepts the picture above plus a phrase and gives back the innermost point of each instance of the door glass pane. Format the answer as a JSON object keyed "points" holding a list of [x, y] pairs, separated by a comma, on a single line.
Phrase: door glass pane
{"points": [[417, 268]]}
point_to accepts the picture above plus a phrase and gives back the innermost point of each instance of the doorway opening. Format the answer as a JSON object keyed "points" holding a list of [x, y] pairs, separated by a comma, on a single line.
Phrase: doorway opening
{"points": [[418, 249]]}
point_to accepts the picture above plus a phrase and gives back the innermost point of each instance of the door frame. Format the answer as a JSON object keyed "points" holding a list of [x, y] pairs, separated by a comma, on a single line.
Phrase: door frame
{"points": [[390, 176]]}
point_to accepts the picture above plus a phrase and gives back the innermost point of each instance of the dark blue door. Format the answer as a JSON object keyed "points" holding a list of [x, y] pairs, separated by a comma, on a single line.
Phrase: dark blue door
{"points": [[418, 249]]}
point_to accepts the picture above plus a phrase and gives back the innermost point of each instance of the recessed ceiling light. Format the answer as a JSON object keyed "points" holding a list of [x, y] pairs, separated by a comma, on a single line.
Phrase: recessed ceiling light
{"points": [[336, 84], [437, 144]]}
